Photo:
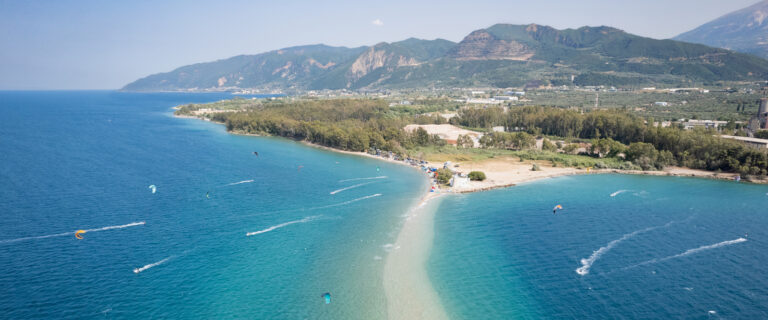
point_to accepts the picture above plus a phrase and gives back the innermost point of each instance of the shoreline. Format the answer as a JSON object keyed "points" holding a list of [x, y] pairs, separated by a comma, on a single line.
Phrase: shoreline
{"points": [[502, 177], [408, 288]]}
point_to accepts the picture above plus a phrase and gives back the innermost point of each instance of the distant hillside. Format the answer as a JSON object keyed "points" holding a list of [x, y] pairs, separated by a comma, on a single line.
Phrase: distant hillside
{"points": [[745, 31], [501, 56]]}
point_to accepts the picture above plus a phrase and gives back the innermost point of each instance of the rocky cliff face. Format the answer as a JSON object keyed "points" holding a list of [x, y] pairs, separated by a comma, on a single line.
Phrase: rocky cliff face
{"points": [[376, 57], [481, 45]]}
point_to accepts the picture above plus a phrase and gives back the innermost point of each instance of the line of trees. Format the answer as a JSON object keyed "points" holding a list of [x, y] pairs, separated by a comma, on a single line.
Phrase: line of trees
{"points": [[346, 124], [648, 146], [362, 124]]}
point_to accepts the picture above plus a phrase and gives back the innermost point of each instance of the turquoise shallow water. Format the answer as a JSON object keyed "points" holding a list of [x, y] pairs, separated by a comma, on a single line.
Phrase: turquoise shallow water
{"points": [[671, 250], [84, 160]]}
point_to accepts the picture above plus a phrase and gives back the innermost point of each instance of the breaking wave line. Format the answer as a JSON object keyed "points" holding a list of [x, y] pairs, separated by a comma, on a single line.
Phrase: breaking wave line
{"points": [[307, 219], [690, 252], [350, 187], [73, 232], [356, 179], [587, 263]]}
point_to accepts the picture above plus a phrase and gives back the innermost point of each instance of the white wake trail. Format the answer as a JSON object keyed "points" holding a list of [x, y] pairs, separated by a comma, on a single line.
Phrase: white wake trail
{"points": [[133, 224], [316, 208], [348, 202], [72, 233], [307, 219], [587, 263], [152, 265], [239, 182], [691, 251], [350, 187], [357, 179], [618, 193], [38, 237]]}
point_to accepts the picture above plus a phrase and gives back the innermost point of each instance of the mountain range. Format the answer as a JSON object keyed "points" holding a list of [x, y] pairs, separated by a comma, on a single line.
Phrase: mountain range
{"points": [[745, 30], [502, 55]]}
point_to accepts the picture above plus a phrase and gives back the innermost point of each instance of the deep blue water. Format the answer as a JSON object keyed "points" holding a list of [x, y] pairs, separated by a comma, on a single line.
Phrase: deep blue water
{"points": [[84, 160], [503, 254]]}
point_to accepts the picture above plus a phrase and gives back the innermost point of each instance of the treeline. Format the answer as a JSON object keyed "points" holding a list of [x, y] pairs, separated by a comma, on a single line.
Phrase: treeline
{"points": [[346, 124], [648, 146]]}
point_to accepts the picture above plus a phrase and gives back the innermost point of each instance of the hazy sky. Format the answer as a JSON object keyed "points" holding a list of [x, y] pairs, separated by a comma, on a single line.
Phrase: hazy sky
{"points": [[64, 44]]}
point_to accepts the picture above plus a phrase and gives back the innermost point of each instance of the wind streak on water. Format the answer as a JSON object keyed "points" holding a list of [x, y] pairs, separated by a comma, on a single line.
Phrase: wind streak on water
{"points": [[133, 224], [691, 251], [356, 179], [587, 263], [307, 219], [350, 187]]}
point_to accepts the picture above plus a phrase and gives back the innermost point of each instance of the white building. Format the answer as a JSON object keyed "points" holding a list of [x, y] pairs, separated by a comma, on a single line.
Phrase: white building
{"points": [[483, 101], [459, 182], [505, 98], [752, 142], [709, 124]]}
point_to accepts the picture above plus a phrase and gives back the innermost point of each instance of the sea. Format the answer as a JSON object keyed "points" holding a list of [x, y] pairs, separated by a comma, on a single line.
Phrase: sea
{"points": [[181, 220], [622, 247], [319, 221]]}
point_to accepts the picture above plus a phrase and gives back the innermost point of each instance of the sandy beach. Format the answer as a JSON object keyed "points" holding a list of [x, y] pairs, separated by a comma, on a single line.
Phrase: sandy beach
{"points": [[410, 294], [506, 172]]}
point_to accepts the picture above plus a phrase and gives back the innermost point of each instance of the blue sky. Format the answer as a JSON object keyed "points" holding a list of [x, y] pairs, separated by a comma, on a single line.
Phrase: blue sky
{"points": [[106, 44]]}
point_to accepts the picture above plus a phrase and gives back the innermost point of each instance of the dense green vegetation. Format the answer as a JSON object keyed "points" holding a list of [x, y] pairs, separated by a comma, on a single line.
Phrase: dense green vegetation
{"points": [[649, 146], [737, 106], [476, 176], [617, 139], [346, 124]]}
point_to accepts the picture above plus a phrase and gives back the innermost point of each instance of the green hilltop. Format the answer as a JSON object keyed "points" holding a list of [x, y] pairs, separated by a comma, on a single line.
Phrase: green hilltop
{"points": [[502, 55]]}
